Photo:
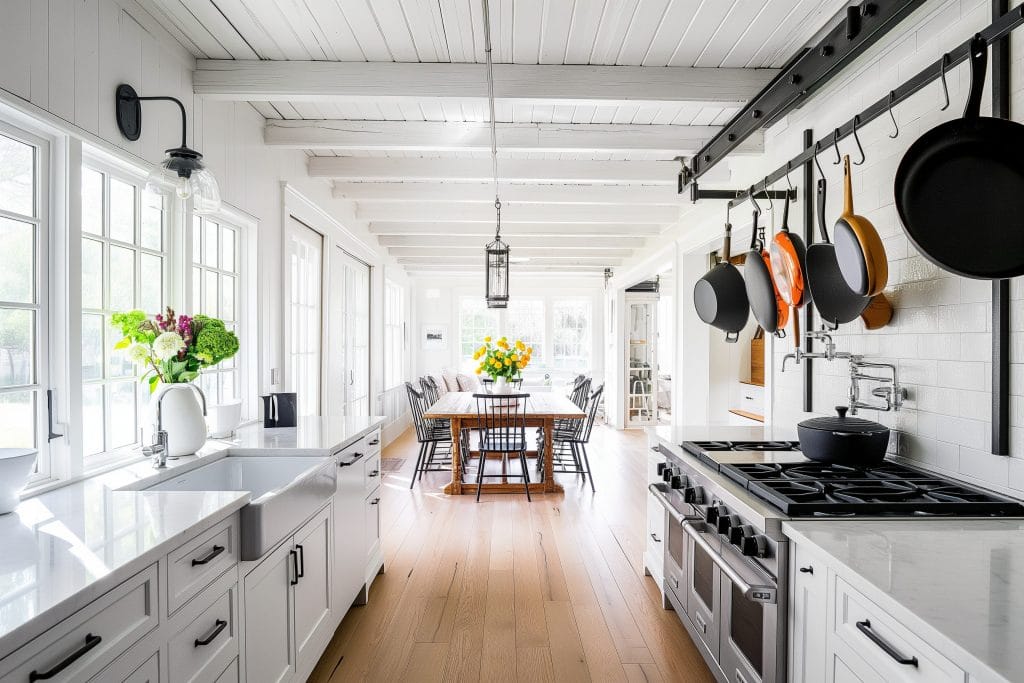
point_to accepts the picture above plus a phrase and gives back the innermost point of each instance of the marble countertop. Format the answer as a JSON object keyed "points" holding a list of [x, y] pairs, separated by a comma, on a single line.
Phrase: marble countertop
{"points": [[960, 581], [64, 548]]}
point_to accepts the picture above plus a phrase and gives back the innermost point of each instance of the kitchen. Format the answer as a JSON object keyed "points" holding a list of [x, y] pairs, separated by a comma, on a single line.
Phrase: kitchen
{"points": [[285, 506]]}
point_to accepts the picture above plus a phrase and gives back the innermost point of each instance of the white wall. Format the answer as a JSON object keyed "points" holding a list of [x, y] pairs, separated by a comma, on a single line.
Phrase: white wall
{"points": [[60, 61], [940, 336]]}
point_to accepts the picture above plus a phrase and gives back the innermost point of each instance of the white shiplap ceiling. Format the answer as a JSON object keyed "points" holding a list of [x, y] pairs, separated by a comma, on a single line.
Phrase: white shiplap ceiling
{"points": [[586, 149]]}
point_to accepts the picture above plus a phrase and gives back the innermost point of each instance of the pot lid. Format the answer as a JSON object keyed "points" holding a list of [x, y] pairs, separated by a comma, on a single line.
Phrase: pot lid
{"points": [[842, 423]]}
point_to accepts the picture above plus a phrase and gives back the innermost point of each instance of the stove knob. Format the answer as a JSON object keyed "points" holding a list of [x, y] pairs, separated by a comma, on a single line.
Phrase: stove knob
{"points": [[714, 512], [677, 482], [754, 546], [662, 466], [737, 534], [726, 522], [666, 475], [694, 495]]}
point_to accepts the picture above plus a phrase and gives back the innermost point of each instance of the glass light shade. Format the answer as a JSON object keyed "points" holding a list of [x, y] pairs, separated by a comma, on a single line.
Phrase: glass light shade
{"points": [[183, 172]]}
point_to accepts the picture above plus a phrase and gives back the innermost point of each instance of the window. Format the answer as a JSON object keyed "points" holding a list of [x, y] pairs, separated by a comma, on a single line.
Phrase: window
{"points": [[571, 331], [124, 266], [23, 293], [524, 319], [394, 335], [215, 292], [476, 321]]}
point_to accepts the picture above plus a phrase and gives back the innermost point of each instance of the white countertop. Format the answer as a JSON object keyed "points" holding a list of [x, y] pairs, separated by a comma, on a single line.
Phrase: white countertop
{"points": [[64, 548], [962, 580]]}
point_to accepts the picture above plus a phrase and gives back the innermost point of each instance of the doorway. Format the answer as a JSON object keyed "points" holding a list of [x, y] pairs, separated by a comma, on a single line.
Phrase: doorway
{"points": [[348, 338]]}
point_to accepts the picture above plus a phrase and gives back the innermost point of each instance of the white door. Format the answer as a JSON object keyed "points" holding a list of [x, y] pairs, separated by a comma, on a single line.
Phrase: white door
{"points": [[348, 341], [304, 315], [313, 625], [269, 649]]}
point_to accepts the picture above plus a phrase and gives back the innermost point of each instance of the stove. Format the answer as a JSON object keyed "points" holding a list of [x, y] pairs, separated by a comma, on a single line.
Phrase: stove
{"points": [[705, 450]]}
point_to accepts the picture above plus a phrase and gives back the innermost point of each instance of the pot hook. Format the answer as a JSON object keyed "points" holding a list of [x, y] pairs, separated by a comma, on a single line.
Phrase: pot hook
{"points": [[942, 75], [856, 122]]}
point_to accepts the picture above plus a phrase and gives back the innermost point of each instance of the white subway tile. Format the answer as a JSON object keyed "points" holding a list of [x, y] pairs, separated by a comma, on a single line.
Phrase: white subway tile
{"points": [[984, 466], [919, 372], [1016, 474], [926, 293], [941, 400], [941, 346], [976, 405], [976, 346], [964, 317], [918, 268], [975, 291], [961, 375], [959, 430]]}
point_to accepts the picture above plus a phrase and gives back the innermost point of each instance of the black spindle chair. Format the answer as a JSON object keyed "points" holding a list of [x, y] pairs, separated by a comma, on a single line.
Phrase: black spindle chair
{"points": [[430, 434], [575, 435], [502, 427]]}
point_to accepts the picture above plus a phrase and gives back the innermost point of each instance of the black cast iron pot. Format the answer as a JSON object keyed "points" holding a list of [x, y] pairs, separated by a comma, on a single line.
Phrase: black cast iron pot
{"points": [[843, 440]]}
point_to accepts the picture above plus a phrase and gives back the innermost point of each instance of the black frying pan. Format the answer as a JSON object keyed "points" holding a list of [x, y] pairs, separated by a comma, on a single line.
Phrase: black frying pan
{"points": [[835, 301], [720, 297], [960, 189]]}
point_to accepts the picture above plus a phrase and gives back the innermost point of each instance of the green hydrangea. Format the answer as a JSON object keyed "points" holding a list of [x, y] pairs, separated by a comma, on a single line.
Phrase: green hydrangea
{"points": [[213, 342], [135, 326]]}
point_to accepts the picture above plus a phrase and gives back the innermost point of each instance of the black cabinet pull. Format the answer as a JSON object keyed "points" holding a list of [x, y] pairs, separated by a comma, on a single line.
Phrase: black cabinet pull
{"points": [[91, 641], [295, 566], [655, 537], [375, 473], [301, 570], [807, 570], [374, 501], [376, 440], [217, 550], [218, 626], [865, 628]]}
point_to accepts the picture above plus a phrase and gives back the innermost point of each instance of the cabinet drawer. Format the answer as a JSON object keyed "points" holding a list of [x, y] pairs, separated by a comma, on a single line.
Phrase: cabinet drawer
{"points": [[194, 565], [372, 523], [81, 645], [883, 642], [201, 649], [372, 441], [371, 472], [126, 669]]}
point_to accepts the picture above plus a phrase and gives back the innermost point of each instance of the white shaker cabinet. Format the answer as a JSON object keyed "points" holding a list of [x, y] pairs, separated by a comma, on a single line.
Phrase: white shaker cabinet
{"points": [[349, 532], [807, 616], [288, 605]]}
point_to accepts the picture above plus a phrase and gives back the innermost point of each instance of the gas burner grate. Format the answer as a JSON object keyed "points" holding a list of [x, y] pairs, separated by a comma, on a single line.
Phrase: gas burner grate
{"points": [[698, 447]]}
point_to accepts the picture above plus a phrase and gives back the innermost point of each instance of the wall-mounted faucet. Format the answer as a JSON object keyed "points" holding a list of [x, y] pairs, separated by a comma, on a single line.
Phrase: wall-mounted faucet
{"points": [[829, 353], [160, 447], [892, 393]]}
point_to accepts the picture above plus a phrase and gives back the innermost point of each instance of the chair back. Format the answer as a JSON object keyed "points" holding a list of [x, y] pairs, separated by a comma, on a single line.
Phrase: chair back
{"points": [[430, 390], [580, 391], [417, 406], [488, 382], [592, 404], [502, 419]]}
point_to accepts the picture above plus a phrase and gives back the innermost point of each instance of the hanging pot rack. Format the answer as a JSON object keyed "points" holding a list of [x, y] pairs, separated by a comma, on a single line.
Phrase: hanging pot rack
{"points": [[997, 30]]}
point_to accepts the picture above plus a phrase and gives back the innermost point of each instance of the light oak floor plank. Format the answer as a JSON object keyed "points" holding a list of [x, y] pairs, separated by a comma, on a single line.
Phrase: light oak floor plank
{"points": [[507, 590]]}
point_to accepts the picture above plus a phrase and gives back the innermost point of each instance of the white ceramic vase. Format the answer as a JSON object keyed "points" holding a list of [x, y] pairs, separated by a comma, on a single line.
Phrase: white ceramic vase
{"points": [[181, 417], [15, 468], [501, 385]]}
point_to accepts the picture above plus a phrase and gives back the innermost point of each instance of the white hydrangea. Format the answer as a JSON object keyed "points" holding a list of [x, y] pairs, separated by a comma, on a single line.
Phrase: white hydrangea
{"points": [[138, 354], [167, 345]]}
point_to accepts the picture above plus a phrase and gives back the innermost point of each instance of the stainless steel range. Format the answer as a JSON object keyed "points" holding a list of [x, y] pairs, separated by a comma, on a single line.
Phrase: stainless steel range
{"points": [[726, 560]]}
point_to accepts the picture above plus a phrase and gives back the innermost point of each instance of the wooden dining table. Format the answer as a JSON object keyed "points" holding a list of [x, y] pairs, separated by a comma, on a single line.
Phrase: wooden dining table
{"points": [[542, 409]]}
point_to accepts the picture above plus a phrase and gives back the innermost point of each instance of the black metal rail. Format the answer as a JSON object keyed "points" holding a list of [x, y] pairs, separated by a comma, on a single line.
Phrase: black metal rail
{"points": [[808, 71], [1001, 288], [997, 30]]}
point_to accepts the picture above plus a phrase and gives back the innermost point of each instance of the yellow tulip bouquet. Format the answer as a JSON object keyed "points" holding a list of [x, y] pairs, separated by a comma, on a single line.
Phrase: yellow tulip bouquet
{"points": [[503, 359]]}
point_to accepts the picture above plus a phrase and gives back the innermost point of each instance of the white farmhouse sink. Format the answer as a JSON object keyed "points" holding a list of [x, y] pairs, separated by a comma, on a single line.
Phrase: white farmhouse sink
{"points": [[285, 492]]}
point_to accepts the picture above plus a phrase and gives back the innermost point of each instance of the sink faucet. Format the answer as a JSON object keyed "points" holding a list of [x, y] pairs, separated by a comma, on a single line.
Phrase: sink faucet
{"points": [[892, 393], [829, 353], [160, 447]]}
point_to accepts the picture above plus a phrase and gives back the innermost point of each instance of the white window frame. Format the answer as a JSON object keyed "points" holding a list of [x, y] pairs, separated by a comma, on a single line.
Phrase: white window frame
{"points": [[395, 342], [43, 305], [586, 344]]}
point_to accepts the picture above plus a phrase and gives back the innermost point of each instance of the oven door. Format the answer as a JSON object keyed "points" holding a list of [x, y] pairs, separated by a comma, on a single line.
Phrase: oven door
{"points": [[703, 585], [675, 546], [746, 612]]}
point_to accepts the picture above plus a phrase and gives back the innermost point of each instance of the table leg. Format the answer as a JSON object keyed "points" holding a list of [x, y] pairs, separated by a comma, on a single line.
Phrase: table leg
{"points": [[549, 455], [455, 486]]}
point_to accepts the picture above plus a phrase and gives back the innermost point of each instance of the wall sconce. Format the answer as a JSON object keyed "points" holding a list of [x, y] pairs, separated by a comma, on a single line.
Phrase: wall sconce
{"points": [[183, 168]]}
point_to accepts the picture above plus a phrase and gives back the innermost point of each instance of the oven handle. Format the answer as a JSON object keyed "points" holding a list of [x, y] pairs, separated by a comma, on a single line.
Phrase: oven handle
{"points": [[658, 492], [756, 593]]}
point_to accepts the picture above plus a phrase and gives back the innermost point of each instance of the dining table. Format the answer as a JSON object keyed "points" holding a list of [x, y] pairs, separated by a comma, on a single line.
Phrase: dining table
{"points": [[542, 409]]}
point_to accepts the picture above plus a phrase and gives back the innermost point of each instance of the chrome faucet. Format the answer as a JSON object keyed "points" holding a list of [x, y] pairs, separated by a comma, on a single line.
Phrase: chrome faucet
{"points": [[892, 393], [829, 353], [160, 447]]}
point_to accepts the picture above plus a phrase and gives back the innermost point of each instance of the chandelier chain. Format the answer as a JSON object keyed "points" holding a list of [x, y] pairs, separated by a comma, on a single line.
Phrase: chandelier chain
{"points": [[490, 103]]}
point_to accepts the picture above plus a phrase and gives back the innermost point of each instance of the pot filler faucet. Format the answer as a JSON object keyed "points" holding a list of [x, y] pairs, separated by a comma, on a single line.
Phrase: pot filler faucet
{"points": [[891, 392], [159, 448]]}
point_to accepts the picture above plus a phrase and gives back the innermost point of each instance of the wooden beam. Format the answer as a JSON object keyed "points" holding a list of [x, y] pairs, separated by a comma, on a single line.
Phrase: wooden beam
{"points": [[528, 229], [480, 170], [483, 193], [254, 80], [475, 136], [538, 241], [516, 213], [531, 249]]}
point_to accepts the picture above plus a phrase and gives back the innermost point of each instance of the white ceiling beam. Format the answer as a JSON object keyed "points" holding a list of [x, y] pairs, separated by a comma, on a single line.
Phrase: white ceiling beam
{"points": [[515, 229], [254, 80], [530, 249], [542, 261], [537, 241], [480, 170], [516, 213], [483, 193], [576, 274], [475, 136]]}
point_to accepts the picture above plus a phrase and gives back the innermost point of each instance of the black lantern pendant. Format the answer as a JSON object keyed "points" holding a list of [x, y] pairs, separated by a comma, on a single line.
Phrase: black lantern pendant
{"points": [[497, 262]]}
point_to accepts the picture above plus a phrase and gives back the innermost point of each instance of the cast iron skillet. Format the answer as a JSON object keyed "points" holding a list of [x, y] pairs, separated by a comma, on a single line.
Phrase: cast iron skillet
{"points": [[720, 297], [960, 189], [835, 301]]}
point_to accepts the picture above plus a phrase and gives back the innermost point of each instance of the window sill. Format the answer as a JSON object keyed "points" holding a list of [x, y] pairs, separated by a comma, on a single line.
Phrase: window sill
{"points": [[108, 464]]}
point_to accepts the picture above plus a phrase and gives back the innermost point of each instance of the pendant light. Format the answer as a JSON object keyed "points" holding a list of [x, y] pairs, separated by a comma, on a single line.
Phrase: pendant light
{"points": [[182, 170], [496, 252]]}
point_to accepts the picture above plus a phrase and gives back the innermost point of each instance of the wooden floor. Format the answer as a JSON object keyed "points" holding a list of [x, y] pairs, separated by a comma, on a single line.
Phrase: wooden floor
{"points": [[507, 590]]}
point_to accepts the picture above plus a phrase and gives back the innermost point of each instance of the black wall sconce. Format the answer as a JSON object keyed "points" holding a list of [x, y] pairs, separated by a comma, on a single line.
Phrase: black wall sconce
{"points": [[183, 168]]}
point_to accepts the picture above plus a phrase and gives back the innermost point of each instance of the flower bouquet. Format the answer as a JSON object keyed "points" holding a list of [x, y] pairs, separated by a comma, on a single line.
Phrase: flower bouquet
{"points": [[502, 361], [173, 349]]}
